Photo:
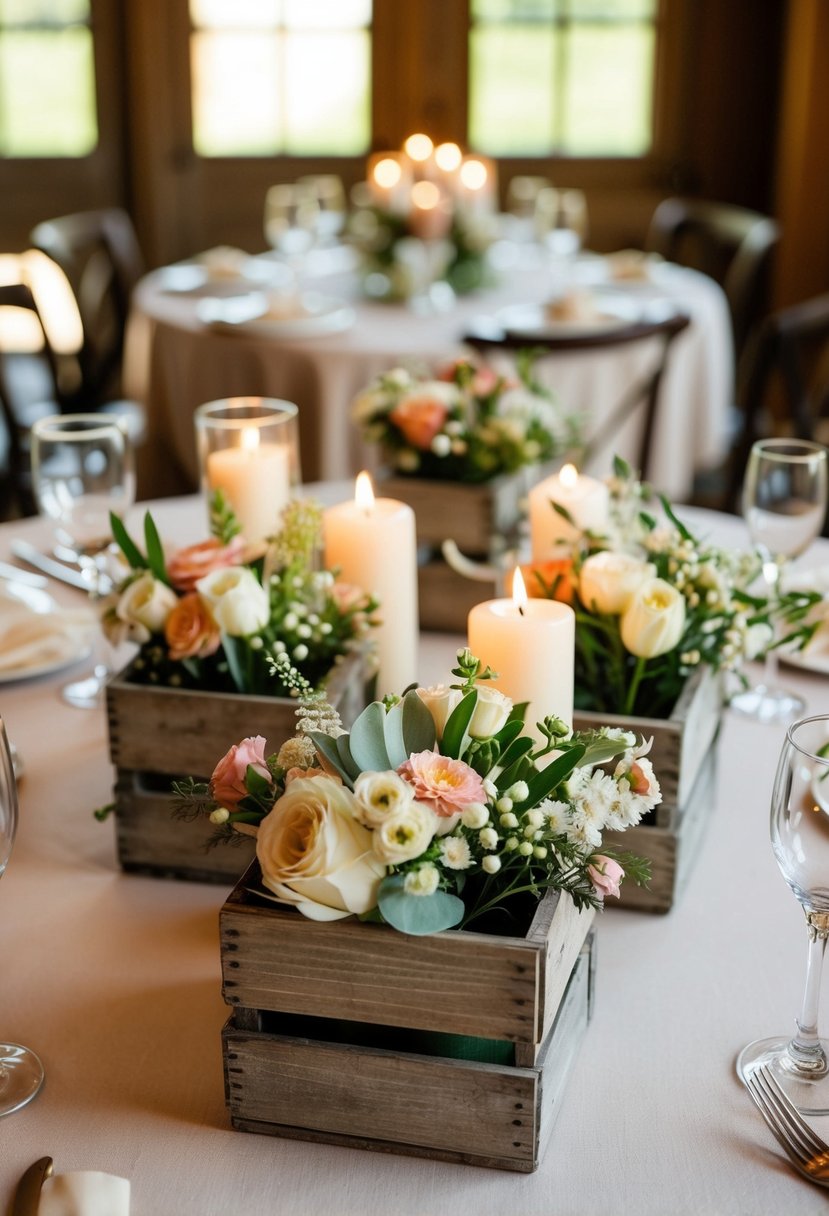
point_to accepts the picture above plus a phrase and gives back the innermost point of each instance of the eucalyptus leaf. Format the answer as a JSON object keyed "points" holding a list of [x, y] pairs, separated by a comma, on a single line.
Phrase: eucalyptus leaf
{"points": [[327, 750], [126, 544], [454, 732], [368, 739], [393, 736], [417, 914], [418, 725], [346, 758]]}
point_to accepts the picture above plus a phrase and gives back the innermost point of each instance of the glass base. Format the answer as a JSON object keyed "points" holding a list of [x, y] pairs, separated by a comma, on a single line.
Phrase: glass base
{"points": [[88, 692], [21, 1076], [768, 704], [808, 1092]]}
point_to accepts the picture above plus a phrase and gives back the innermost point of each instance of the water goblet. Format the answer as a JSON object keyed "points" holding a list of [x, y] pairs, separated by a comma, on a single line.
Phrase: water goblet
{"points": [[21, 1072], [82, 470], [800, 841], [291, 213], [784, 505]]}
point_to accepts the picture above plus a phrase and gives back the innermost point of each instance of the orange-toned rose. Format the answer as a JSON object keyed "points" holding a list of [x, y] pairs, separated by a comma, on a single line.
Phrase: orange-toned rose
{"points": [[190, 630], [419, 419], [550, 580], [188, 565]]}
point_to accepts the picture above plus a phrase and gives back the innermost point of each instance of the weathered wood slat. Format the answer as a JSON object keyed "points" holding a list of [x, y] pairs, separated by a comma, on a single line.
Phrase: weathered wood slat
{"points": [[446, 597], [471, 515]]}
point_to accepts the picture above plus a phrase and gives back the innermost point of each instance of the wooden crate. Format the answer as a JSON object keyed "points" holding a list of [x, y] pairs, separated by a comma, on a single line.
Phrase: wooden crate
{"points": [[446, 597], [408, 1092], [682, 741], [159, 734]]}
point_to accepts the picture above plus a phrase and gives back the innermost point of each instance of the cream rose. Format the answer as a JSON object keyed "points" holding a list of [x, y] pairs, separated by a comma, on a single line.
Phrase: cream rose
{"points": [[238, 601], [315, 855], [144, 606], [440, 700], [379, 795], [490, 713], [405, 834], [654, 620], [607, 581]]}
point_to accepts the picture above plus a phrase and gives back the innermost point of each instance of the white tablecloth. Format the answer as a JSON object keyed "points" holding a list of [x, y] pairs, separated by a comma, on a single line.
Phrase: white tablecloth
{"points": [[174, 363], [115, 980]]}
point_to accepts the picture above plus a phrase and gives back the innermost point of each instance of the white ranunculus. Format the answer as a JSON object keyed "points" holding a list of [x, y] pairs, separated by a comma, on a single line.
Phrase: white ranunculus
{"points": [[144, 606], [239, 603], [405, 834], [379, 795], [315, 855], [440, 700], [654, 620], [608, 580], [490, 713]]}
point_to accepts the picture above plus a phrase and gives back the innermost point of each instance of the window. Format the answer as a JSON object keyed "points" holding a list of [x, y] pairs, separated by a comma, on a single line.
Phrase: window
{"points": [[47, 79], [280, 76], [566, 77]]}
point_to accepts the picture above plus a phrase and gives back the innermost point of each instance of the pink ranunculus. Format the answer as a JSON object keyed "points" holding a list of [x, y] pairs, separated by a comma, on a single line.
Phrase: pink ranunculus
{"points": [[227, 785], [346, 596], [485, 381], [446, 785], [192, 563], [606, 875], [419, 419]]}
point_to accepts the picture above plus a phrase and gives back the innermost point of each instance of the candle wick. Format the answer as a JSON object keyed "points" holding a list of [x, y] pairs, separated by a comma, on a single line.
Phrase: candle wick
{"points": [[521, 609]]}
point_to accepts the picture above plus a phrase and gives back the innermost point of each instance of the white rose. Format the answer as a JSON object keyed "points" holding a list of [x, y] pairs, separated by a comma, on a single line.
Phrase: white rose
{"points": [[440, 700], [405, 834], [315, 855], [490, 713], [145, 605], [380, 795], [238, 601], [654, 620], [608, 580]]}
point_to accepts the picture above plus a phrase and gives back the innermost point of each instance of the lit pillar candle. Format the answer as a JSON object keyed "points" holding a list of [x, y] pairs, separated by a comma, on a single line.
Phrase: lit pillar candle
{"points": [[586, 501], [390, 181], [373, 544], [419, 149], [531, 644], [430, 217], [256, 480], [478, 185]]}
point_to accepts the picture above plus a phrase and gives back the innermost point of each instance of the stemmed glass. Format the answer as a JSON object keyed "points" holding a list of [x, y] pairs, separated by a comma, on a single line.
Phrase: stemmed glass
{"points": [[784, 505], [291, 215], [800, 840], [81, 470], [21, 1072]]}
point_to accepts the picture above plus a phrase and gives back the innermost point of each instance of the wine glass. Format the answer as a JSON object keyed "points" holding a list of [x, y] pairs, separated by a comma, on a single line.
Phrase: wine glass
{"points": [[81, 470], [800, 840], [784, 505], [328, 191], [21, 1072], [291, 213]]}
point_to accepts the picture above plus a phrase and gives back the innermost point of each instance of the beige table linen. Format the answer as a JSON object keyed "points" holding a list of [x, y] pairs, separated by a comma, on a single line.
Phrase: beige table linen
{"points": [[115, 981]]}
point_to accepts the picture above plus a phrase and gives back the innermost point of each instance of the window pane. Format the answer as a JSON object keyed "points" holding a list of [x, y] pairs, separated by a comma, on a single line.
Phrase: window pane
{"points": [[519, 10], [30, 12], [327, 14], [240, 14], [47, 93], [511, 106], [236, 106], [334, 120], [616, 9], [607, 99]]}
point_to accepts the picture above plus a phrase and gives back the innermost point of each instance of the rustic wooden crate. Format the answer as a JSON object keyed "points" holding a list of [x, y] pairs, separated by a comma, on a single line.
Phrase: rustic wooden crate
{"points": [[446, 597], [680, 742], [411, 1093]]}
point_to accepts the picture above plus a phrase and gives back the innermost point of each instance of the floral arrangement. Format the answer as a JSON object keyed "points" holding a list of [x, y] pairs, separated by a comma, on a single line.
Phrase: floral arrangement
{"points": [[654, 603], [436, 810], [213, 615], [467, 423]]}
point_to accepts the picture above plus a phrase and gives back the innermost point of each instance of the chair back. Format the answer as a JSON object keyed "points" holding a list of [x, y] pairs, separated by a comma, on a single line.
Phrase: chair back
{"points": [[731, 244]]}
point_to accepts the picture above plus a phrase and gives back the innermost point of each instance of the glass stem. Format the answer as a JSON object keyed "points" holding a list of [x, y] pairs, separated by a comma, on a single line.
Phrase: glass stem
{"points": [[771, 574], [805, 1049]]}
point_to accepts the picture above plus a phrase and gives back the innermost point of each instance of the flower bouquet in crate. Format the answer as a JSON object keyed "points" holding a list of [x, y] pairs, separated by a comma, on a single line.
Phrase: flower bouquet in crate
{"points": [[208, 620]]}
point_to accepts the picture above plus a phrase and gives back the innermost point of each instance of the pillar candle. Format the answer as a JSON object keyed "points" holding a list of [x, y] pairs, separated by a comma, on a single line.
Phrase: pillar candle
{"points": [[256, 480], [531, 644], [390, 181], [372, 542], [585, 499]]}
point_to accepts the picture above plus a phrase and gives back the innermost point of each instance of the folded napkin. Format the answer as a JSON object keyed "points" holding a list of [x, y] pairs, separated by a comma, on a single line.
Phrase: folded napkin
{"points": [[84, 1193], [576, 305], [631, 265], [224, 261], [37, 639]]}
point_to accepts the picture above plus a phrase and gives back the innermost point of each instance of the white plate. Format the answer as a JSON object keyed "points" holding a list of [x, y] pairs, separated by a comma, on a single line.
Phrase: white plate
{"points": [[807, 660], [311, 314], [19, 600], [532, 321], [197, 279]]}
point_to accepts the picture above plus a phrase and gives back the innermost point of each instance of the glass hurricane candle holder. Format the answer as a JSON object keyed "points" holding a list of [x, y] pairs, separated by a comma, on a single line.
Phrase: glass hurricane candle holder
{"points": [[249, 449]]}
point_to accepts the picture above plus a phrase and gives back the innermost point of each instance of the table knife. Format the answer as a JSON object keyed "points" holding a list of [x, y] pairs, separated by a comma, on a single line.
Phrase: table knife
{"points": [[14, 574], [27, 553], [27, 1196]]}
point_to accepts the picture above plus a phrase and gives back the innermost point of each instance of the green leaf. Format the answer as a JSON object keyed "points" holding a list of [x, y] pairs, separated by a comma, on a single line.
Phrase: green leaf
{"points": [[454, 732], [517, 749], [393, 736], [509, 733], [155, 552], [235, 651], [546, 780], [678, 524], [599, 751], [622, 469], [417, 914], [126, 544], [327, 750], [418, 725], [255, 783], [346, 758], [368, 739]]}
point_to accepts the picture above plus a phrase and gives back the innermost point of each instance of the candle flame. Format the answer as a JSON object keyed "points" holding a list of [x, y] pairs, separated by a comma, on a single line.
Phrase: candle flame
{"points": [[387, 173], [418, 147], [473, 174], [425, 195], [519, 591], [448, 157], [569, 476], [364, 492], [250, 438]]}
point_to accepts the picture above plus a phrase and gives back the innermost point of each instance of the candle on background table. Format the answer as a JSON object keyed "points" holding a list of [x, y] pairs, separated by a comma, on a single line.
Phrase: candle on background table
{"points": [[431, 215], [585, 499], [256, 480], [389, 178], [531, 644], [478, 184], [419, 149], [373, 543]]}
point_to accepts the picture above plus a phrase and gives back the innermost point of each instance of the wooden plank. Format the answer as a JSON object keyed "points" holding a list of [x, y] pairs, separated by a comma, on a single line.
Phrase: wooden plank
{"points": [[446, 597]]}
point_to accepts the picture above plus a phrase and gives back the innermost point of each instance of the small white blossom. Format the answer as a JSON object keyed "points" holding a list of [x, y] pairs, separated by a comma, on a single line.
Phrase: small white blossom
{"points": [[220, 815], [491, 864], [488, 838], [476, 815], [518, 792], [508, 821], [525, 848], [455, 853], [422, 881]]}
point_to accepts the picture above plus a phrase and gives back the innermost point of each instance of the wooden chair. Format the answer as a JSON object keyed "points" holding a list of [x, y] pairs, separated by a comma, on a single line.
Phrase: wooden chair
{"points": [[730, 244], [98, 251], [641, 395]]}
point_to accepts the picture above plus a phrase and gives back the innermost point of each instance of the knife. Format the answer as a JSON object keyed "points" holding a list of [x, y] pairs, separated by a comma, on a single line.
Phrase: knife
{"points": [[27, 553], [15, 575], [27, 1196]]}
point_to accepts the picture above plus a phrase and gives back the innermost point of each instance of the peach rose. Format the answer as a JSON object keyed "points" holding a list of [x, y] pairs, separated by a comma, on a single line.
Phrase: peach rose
{"points": [[190, 630], [556, 573], [606, 875], [419, 419], [188, 565], [227, 784], [444, 784]]}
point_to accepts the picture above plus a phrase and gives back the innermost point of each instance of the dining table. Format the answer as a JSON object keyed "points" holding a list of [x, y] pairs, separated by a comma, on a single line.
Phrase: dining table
{"points": [[114, 979], [215, 327]]}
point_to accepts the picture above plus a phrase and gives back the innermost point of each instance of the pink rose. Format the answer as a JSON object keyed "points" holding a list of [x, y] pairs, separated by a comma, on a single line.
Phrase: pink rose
{"points": [[605, 875], [192, 563], [227, 785], [446, 785], [419, 419], [347, 597]]}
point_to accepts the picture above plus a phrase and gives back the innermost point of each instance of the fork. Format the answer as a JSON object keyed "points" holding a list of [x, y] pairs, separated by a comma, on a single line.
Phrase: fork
{"points": [[807, 1152]]}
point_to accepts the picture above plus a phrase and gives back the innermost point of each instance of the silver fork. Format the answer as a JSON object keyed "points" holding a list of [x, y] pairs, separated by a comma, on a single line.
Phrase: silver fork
{"points": [[807, 1152]]}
